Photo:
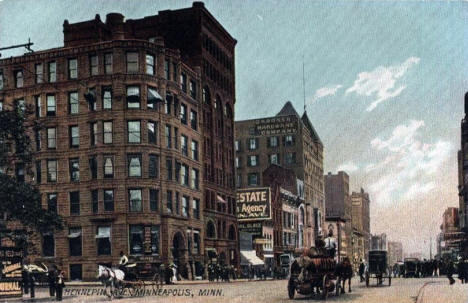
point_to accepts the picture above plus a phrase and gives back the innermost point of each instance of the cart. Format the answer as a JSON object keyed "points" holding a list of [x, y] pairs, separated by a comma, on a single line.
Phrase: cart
{"points": [[411, 265], [378, 267]]}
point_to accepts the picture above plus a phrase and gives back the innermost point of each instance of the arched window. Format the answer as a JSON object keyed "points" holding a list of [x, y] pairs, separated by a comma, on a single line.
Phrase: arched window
{"points": [[232, 232], [218, 104], [228, 110], [206, 96], [210, 230]]}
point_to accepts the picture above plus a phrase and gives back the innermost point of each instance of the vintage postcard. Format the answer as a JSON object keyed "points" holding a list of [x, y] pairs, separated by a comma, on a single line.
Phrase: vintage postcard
{"points": [[233, 151]]}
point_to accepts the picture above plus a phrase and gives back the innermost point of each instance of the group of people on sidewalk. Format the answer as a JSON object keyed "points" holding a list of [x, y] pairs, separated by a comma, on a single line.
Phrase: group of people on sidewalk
{"points": [[55, 278]]}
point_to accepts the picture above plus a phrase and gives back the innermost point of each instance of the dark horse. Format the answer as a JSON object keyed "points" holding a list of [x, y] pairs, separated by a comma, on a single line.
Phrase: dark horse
{"points": [[344, 271]]}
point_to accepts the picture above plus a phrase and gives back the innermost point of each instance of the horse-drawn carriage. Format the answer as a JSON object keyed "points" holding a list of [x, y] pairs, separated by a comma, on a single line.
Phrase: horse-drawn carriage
{"points": [[378, 267], [319, 272], [411, 265]]}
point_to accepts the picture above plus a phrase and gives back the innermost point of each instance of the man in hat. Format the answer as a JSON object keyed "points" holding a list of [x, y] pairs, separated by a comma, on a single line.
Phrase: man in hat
{"points": [[330, 244]]}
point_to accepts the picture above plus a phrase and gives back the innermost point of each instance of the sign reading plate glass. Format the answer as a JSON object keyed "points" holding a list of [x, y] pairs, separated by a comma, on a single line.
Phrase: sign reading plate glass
{"points": [[253, 204], [276, 126], [11, 265]]}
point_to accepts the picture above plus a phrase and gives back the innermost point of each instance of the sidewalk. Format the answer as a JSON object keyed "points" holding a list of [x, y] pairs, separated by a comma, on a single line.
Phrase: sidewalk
{"points": [[183, 282], [442, 292]]}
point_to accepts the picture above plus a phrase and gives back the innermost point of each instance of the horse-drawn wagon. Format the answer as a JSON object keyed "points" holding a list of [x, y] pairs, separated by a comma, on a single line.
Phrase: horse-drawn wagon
{"points": [[411, 265], [378, 267]]}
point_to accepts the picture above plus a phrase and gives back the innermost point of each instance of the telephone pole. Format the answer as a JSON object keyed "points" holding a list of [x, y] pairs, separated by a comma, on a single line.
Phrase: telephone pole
{"points": [[25, 45]]}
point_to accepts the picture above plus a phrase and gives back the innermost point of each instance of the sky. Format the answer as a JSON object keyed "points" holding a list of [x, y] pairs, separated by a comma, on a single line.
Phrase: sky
{"points": [[384, 86]]}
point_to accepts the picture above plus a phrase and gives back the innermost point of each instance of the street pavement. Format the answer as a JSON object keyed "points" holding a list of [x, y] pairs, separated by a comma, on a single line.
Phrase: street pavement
{"points": [[272, 291]]}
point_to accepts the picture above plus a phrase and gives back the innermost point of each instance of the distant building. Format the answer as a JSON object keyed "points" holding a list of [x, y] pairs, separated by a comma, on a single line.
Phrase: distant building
{"points": [[361, 225], [338, 211], [395, 252], [291, 141], [450, 236], [463, 180], [379, 242]]}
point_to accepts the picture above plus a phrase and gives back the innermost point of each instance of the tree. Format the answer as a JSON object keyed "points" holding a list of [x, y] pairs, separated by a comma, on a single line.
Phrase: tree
{"points": [[20, 200]]}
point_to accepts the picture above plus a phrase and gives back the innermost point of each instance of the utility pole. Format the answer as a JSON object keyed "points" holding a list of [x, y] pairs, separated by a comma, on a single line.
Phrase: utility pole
{"points": [[430, 248], [25, 45]]}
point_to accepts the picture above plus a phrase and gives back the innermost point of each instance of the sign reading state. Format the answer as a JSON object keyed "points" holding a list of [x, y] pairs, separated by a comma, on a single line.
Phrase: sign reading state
{"points": [[253, 204]]}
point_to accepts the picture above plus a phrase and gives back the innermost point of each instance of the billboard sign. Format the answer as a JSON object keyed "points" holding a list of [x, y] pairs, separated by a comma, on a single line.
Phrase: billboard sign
{"points": [[276, 126], [254, 228], [253, 204], [10, 266]]}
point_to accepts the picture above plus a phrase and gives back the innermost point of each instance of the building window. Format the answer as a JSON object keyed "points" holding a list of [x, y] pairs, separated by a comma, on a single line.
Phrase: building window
{"points": [[155, 240], [74, 203], [168, 136], [153, 164], [52, 202], [184, 175], [95, 200], [169, 201], [108, 63], [290, 158], [108, 167], [93, 167], [273, 141], [20, 172], [52, 71], [183, 113], [37, 135], [194, 150], [151, 126], [76, 272], [152, 98], [135, 199], [51, 170], [253, 179], [107, 97], [136, 239], [253, 160], [38, 102], [75, 241], [134, 166], [169, 168], [274, 159], [39, 73], [193, 119], [38, 172], [133, 97], [132, 62], [74, 134], [72, 69], [183, 145], [168, 104], [210, 230], [103, 238], [176, 137], [193, 89], [1, 79], [154, 199], [107, 132], [183, 82], [93, 129], [51, 105], [194, 179], [134, 135], [238, 162], [73, 105], [185, 206], [253, 143], [93, 65], [196, 208], [196, 242], [149, 64], [48, 244], [289, 140], [51, 137], [109, 200], [238, 181], [237, 145], [174, 71], [19, 78], [166, 69], [74, 169], [90, 97]]}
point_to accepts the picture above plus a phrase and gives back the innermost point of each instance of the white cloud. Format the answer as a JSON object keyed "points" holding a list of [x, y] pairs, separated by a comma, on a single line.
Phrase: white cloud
{"points": [[325, 91], [381, 82], [409, 166], [348, 167]]}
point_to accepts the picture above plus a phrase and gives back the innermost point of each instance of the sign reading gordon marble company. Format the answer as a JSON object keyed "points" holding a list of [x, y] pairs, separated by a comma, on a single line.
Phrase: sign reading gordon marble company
{"points": [[276, 126], [253, 204]]}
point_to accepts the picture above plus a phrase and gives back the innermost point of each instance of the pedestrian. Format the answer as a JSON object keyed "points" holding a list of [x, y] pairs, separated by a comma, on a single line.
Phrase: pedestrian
{"points": [[450, 271], [361, 271], [25, 279], [51, 279], [59, 285], [32, 284]]}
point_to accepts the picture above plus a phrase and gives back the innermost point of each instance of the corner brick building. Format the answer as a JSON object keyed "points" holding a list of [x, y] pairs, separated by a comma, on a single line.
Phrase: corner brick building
{"points": [[291, 141], [136, 152]]}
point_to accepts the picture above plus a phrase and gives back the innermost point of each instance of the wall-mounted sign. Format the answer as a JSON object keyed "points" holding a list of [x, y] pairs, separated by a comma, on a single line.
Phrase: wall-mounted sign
{"points": [[253, 204], [276, 126], [254, 228], [10, 267]]}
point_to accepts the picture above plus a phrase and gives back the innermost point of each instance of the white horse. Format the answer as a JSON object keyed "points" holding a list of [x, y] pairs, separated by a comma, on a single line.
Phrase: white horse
{"points": [[110, 277]]}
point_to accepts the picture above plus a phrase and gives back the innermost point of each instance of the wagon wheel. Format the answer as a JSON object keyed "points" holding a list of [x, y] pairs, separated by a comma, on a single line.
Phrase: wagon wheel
{"points": [[291, 289], [338, 287], [389, 281], [367, 279], [325, 285]]}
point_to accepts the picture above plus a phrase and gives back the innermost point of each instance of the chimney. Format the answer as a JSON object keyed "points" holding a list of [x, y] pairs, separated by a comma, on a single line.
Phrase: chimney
{"points": [[115, 22]]}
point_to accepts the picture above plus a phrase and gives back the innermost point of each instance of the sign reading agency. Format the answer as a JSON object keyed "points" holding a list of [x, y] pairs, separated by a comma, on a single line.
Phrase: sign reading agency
{"points": [[10, 267], [253, 204]]}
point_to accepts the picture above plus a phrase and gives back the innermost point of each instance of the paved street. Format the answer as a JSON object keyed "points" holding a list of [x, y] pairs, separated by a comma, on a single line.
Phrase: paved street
{"points": [[401, 291]]}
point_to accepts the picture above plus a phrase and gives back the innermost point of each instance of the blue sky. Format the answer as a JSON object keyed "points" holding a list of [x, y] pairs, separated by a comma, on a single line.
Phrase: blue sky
{"points": [[384, 86]]}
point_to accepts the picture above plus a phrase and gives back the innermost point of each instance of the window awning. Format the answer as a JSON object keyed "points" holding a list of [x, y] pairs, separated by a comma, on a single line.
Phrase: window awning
{"points": [[153, 95], [74, 235], [220, 199], [250, 257]]}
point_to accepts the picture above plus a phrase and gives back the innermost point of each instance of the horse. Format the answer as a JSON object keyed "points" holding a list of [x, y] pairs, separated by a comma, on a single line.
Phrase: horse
{"points": [[110, 278], [344, 271]]}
